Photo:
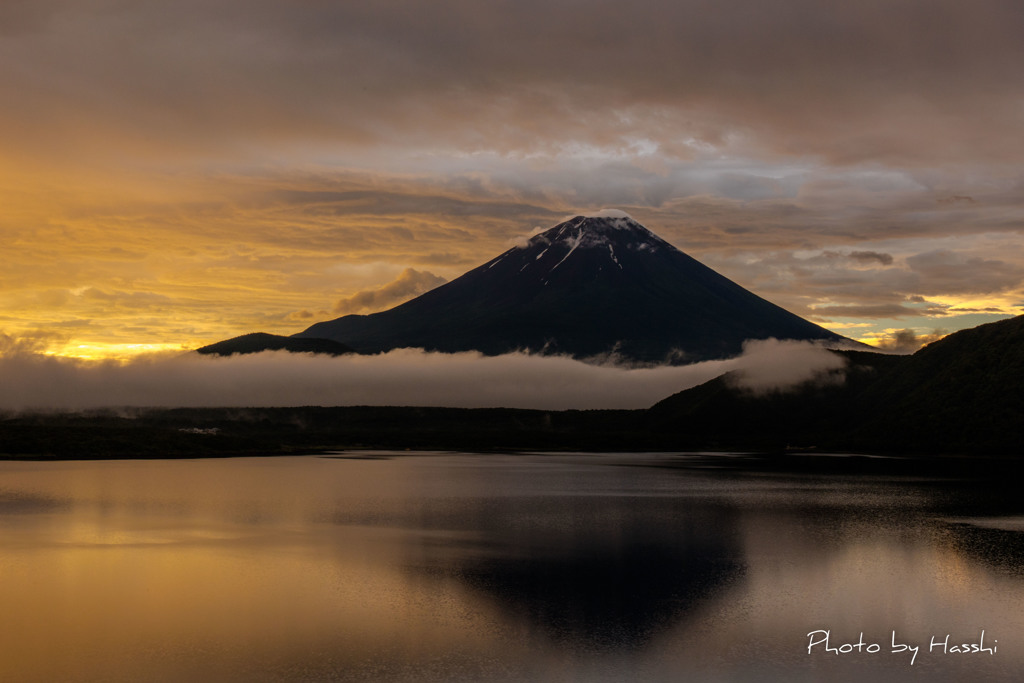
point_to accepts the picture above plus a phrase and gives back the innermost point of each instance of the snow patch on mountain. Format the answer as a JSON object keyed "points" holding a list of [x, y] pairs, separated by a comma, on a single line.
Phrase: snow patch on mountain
{"points": [[589, 232], [605, 229], [574, 243], [611, 252], [593, 230]]}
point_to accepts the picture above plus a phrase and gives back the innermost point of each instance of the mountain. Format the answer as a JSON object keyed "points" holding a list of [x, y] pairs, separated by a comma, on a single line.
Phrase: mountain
{"points": [[589, 286], [961, 394], [720, 415], [261, 341]]}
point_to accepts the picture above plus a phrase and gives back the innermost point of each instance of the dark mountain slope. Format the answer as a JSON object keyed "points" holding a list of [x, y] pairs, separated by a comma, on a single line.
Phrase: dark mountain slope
{"points": [[718, 414], [962, 394], [586, 287], [963, 391], [261, 341]]}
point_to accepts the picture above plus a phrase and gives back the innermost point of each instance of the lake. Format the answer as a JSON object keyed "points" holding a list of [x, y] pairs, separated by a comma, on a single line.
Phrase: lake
{"points": [[532, 567]]}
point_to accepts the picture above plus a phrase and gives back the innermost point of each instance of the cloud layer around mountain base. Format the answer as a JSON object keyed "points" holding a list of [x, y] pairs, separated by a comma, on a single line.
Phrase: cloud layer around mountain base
{"points": [[408, 377], [770, 365]]}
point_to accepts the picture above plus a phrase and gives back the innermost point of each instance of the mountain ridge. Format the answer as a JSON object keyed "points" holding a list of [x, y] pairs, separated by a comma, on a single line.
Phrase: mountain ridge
{"points": [[255, 342]]}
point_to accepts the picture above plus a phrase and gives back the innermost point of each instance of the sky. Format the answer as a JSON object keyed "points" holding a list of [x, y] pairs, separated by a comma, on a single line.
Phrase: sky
{"points": [[177, 173]]}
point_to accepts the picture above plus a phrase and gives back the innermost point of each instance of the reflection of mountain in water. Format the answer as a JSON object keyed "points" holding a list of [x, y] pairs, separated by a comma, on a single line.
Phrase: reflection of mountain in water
{"points": [[606, 577], [603, 598]]}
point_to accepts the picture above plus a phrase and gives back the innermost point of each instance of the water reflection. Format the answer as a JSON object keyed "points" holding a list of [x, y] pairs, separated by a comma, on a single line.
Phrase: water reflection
{"points": [[596, 574], [27, 503], [457, 567]]}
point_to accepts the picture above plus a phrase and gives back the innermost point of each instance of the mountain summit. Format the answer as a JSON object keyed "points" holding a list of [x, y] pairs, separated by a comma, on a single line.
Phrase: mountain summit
{"points": [[589, 286]]}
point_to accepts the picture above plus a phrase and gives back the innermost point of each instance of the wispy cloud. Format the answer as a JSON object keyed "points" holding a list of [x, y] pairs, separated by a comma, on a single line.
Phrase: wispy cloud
{"points": [[409, 283], [770, 365], [907, 340]]}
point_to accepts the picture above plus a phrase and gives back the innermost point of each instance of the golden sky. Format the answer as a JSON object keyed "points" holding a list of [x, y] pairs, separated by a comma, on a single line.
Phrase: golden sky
{"points": [[175, 173]]}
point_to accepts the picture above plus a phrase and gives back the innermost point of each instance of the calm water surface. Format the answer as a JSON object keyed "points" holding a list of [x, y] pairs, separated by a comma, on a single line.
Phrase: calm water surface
{"points": [[487, 567]]}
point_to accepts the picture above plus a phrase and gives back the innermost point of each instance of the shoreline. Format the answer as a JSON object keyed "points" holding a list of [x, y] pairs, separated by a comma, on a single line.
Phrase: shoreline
{"points": [[185, 433]]}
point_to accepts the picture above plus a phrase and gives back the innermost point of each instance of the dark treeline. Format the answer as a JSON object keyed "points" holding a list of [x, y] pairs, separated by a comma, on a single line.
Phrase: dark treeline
{"points": [[212, 432]]}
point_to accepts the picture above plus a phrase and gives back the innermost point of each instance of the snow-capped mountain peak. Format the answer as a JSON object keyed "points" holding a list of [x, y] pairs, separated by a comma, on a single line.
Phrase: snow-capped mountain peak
{"points": [[597, 231], [588, 286], [611, 231]]}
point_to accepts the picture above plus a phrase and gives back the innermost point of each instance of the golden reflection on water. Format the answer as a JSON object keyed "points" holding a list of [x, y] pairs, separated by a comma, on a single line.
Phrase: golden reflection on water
{"points": [[144, 571], [410, 569], [104, 602]]}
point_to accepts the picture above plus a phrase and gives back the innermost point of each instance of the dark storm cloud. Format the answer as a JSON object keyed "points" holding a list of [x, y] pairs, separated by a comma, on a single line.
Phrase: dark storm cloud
{"points": [[368, 202], [911, 80], [943, 271], [20, 17], [869, 256]]}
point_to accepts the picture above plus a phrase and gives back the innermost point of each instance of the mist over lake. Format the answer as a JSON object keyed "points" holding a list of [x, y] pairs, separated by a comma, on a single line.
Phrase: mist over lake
{"points": [[390, 566]]}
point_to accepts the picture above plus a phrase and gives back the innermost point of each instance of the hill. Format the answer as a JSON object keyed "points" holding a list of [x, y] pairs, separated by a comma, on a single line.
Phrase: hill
{"points": [[261, 341], [963, 393]]}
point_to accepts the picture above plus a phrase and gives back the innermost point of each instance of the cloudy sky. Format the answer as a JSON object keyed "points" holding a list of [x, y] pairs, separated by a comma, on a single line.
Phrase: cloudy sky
{"points": [[175, 173]]}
